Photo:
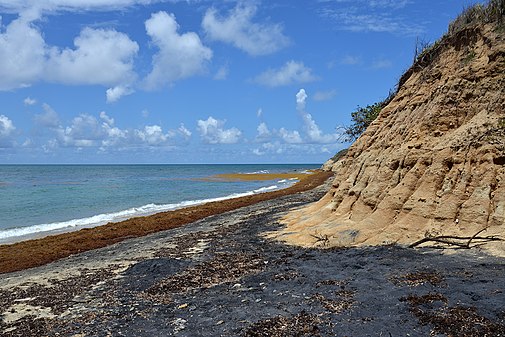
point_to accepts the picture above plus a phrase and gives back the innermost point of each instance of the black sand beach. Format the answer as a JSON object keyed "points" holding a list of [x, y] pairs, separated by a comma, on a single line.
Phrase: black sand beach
{"points": [[220, 277]]}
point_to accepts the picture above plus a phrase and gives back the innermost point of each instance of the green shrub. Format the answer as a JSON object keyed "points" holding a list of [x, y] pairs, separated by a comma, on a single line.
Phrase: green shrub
{"points": [[361, 119]]}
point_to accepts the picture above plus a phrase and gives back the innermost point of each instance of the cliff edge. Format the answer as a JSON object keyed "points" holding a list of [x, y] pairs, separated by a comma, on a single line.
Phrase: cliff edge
{"points": [[433, 162]]}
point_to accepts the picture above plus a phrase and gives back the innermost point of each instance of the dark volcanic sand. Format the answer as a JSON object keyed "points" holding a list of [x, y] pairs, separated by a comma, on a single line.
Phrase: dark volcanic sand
{"points": [[220, 277]]}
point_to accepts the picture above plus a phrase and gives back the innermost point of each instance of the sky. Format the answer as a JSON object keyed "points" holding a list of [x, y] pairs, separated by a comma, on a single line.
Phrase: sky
{"points": [[167, 81]]}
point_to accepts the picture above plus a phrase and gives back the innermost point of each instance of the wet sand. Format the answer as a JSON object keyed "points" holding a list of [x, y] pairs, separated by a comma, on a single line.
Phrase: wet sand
{"points": [[220, 276]]}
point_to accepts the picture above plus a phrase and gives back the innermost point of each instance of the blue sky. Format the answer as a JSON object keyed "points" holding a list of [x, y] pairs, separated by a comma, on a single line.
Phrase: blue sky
{"points": [[147, 81]]}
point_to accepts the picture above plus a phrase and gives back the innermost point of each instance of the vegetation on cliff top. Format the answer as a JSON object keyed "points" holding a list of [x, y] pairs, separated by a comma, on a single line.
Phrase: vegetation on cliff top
{"points": [[425, 53]]}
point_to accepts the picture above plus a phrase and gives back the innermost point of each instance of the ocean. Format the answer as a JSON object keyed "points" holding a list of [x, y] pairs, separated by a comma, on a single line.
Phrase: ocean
{"points": [[39, 200]]}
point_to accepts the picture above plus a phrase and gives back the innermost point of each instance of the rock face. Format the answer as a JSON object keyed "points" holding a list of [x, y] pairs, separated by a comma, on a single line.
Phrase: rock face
{"points": [[432, 163]]}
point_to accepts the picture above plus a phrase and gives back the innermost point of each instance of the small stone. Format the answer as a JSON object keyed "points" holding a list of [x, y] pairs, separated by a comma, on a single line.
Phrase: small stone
{"points": [[182, 306], [220, 322]]}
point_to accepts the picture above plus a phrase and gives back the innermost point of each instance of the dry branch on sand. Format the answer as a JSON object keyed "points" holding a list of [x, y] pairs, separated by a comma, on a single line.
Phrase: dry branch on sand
{"points": [[458, 241]]}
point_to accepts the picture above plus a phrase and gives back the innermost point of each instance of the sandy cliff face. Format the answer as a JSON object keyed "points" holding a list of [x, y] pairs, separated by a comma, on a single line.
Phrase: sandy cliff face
{"points": [[433, 161]]}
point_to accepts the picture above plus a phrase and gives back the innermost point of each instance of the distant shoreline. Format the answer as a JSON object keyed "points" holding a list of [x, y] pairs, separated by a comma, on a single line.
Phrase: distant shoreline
{"points": [[37, 252]]}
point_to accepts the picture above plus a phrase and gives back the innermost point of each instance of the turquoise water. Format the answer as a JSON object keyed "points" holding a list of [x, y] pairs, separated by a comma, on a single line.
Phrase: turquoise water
{"points": [[38, 199]]}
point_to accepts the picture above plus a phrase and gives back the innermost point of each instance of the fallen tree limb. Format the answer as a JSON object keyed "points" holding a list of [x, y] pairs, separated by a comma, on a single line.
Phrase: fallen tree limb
{"points": [[457, 241]]}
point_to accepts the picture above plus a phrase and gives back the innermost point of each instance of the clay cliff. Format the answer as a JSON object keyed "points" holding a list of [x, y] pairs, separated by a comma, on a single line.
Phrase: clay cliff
{"points": [[433, 162]]}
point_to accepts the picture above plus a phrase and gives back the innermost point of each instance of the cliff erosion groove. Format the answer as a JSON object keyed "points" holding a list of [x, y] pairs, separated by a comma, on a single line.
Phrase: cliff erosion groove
{"points": [[433, 162]]}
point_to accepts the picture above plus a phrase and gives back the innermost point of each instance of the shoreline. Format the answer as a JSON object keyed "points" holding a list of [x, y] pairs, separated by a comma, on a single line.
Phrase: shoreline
{"points": [[77, 224], [36, 252], [186, 281]]}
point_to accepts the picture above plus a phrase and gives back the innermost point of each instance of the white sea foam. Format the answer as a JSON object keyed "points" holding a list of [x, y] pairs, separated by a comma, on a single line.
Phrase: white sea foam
{"points": [[101, 219]]}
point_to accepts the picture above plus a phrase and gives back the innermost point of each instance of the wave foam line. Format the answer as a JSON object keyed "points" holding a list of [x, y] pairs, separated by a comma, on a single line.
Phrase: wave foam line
{"points": [[102, 219]]}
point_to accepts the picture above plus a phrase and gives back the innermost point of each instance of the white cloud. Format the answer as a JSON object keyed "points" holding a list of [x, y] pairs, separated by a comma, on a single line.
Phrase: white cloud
{"points": [[275, 148], [71, 5], [184, 132], [22, 51], [291, 73], [291, 137], [106, 119], [259, 113], [222, 73], [7, 128], [239, 30], [152, 135], [258, 152], [29, 101], [212, 132], [26, 58], [324, 95], [101, 57], [301, 97], [313, 132], [84, 131], [48, 119], [264, 134], [373, 16], [115, 93], [179, 56]]}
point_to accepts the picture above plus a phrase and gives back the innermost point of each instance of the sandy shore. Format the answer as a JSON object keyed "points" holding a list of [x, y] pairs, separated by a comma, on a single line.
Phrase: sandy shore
{"points": [[220, 276], [36, 252]]}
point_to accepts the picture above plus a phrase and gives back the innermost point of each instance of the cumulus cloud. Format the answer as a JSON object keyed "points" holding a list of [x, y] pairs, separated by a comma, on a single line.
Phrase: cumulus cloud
{"points": [[239, 30], [179, 56], [106, 54], [49, 118], [301, 96], [22, 51], [313, 132], [84, 131], [7, 129], [108, 120], [291, 73], [29, 101], [184, 132], [152, 135], [309, 134], [264, 134], [212, 131], [115, 93], [27, 59], [276, 148], [88, 131], [290, 137]]}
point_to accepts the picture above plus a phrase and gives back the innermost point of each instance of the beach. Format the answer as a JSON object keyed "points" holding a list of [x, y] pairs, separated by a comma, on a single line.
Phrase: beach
{"points": [[220, 276]]}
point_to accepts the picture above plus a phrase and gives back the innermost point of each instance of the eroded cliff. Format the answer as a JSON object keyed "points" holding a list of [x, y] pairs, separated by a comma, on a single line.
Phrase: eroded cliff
{"points": [[432, 163]]}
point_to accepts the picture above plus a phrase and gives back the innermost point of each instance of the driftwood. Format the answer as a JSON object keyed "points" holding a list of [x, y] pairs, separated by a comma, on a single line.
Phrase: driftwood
{"points": [[323, 238], [458, 241]]}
